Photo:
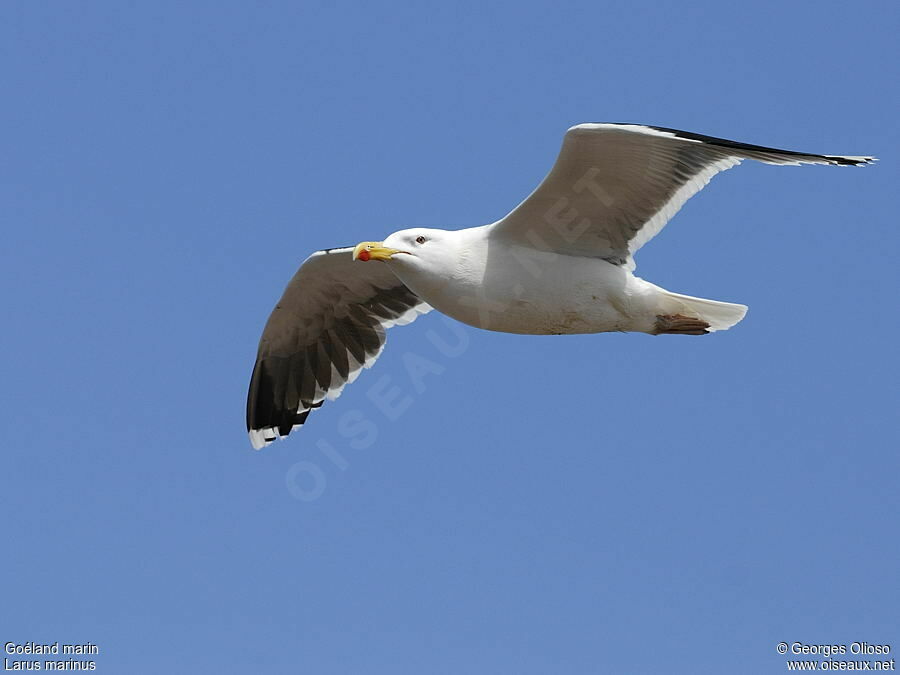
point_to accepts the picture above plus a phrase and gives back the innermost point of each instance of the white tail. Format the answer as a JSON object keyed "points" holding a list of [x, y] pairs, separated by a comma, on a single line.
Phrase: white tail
{"points": [[719, 315]]}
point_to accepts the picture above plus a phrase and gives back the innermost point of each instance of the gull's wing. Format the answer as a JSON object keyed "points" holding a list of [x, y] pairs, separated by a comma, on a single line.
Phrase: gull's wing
{"points": [[614, 187], [328, 325]]}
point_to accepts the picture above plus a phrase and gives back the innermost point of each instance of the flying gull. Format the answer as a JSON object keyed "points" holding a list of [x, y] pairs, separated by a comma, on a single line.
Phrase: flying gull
{"points": [[561, 262]]}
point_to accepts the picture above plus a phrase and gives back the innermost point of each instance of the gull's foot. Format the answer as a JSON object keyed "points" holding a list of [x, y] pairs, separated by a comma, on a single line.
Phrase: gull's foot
{"points": [[677, 324]]}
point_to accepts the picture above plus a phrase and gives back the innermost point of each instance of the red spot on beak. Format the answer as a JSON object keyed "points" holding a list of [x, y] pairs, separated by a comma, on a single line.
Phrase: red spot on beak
{"points": [[363, 255]]}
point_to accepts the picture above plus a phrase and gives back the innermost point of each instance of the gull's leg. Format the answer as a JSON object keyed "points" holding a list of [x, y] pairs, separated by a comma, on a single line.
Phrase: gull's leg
{"points": [[678, 324]]}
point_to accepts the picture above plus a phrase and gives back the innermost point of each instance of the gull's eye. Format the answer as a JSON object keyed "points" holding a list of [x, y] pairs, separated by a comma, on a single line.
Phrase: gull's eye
{"points": [[420, 239]]}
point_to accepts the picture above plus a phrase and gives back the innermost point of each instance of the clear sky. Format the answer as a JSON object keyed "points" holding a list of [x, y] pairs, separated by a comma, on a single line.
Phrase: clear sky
{"points": [[581, 504]]}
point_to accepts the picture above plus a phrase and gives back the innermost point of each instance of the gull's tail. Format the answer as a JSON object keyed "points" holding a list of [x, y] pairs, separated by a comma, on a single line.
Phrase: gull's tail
{"points": [[719, 315]]}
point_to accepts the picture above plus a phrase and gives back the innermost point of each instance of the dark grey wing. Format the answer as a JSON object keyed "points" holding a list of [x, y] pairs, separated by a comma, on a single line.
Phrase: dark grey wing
{"points": [[329, 325], [614, 187]]}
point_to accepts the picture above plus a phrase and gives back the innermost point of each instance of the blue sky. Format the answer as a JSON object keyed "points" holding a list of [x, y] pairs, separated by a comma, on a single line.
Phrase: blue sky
{"points": [[580, 504]]}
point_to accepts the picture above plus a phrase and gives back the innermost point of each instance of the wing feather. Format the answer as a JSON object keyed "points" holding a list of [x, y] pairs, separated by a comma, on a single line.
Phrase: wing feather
{"points": [[329, 325], [615, 186]]}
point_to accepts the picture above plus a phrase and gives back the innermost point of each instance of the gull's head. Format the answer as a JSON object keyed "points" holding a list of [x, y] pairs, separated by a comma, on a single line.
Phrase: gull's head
{"points": [[407, 247]]}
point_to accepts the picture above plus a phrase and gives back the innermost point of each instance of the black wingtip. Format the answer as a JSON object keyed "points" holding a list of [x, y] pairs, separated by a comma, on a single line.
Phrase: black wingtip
{"points": [[838, 160], [270, 404], [850, 161]]}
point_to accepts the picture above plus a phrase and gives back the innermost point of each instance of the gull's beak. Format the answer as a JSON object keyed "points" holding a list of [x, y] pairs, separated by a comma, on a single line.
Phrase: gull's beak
{"points": [[373, 250]]}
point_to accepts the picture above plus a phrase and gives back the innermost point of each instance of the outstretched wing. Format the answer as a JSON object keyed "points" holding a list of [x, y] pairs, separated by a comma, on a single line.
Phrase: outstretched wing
{"points": [[329, 324], [614, 187]]}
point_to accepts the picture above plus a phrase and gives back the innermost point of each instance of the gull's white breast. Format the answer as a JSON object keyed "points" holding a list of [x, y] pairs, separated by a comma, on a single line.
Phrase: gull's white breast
{"points": [[515, 289]]}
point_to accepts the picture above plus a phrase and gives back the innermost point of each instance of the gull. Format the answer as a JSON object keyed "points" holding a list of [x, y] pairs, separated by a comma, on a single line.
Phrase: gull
{"points": [[561, 262]]}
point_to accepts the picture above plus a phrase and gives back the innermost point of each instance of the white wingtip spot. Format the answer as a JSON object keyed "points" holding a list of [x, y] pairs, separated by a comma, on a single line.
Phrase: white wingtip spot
{"points": [[260, 438]]}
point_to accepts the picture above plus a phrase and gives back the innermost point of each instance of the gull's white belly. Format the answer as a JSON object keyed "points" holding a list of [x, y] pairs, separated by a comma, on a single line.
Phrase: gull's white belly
{"points": [[541, 293]]}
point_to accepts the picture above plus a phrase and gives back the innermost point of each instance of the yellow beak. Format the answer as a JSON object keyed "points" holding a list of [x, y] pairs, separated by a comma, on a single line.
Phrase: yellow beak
{"points": [[373, 250]]}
